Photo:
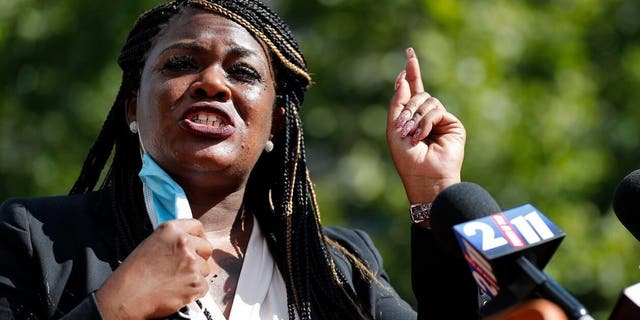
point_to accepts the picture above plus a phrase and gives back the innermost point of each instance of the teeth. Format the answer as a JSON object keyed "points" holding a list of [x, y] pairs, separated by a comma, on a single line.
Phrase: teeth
{"points": [[209, 120]]}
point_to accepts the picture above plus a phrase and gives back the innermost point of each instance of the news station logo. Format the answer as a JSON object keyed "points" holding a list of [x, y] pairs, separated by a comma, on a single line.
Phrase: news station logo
{"points": [[488, 242]]}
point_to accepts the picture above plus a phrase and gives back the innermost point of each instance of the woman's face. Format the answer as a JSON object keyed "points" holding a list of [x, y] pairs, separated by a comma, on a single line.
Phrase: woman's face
{"points": [[206, 100]]}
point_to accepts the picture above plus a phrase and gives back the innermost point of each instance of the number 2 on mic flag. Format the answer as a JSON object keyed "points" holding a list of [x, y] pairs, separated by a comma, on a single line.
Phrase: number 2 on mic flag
{"points": [[488, 242]]}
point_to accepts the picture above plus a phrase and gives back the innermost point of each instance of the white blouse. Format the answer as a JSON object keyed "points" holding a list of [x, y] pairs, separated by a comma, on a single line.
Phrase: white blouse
{"points": [[261, 292]]}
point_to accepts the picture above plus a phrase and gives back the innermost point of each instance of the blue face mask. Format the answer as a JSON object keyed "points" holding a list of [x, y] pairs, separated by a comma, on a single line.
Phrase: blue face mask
{"points": [[164, 198]]}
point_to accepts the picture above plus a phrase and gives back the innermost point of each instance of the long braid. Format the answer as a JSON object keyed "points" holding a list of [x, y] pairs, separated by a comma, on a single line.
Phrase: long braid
{"points": [[97, 156], [280, 189]]}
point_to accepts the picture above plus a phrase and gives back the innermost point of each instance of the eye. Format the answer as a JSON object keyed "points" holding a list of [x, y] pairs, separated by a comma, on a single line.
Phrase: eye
{"points": [[244, 73], [180, 64]]}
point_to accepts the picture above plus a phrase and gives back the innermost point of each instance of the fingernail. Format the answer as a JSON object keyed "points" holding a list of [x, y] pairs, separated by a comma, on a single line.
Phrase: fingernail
{"points": [[402, 119], [410, 53], [414, 138], [406, 128], [399, 78]]}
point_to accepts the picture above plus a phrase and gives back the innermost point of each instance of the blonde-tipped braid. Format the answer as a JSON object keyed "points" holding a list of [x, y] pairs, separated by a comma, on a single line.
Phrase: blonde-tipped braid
{"points": [[289, 211]]}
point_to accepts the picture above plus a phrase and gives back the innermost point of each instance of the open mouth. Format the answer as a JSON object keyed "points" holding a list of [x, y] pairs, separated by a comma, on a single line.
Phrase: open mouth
{"points": [[208, 119]]}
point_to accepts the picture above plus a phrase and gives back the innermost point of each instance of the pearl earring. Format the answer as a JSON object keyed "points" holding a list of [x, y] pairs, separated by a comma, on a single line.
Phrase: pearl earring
{"points": [[133, 127], [268, 147]]}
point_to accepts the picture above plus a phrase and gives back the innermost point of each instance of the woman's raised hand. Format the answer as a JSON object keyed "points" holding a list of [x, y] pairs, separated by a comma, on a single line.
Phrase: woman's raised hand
{"points": [[164, 273], [426, 141]]}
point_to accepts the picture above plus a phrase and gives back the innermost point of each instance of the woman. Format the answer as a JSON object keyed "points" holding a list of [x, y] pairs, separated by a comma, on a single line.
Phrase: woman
{"points": [[206, 129]]}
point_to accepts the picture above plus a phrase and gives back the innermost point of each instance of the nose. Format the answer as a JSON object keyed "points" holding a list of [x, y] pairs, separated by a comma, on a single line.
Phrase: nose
{"points": [[211, 84]]}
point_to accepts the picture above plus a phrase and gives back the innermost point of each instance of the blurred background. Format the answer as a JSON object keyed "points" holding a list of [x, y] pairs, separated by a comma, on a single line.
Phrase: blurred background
{"points": [[547, 91]]}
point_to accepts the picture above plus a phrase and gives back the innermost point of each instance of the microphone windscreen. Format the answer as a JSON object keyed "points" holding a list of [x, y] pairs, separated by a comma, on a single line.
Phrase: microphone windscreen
{"points": [[626, 203], [456, 204]]}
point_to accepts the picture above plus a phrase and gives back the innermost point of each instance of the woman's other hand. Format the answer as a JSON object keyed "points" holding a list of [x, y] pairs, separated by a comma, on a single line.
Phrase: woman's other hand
{"points": [[426, 141], [165, 272]]}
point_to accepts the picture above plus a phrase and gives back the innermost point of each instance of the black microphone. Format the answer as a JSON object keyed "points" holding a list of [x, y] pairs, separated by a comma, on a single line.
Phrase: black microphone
{"points": [[458, 203], [440, 264], [626, 203], [628, 304], [504, 250]]}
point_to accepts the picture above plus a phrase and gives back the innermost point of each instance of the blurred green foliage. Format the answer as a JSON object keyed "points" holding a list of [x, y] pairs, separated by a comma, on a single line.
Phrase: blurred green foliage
{"points": [[547, 91]]}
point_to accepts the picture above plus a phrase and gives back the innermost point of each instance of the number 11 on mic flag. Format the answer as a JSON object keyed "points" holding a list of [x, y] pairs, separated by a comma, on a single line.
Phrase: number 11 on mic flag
{"points": [[491, 244]]}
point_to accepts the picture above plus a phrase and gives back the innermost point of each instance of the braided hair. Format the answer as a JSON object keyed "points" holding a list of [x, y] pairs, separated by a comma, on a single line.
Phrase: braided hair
{"points": [[280, 190]]}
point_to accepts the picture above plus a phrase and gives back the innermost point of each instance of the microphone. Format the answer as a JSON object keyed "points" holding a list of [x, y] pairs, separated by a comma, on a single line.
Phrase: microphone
{"points": [[626, 206], [628, 304], [459, 203], [626, 203], [504, 250], [441, 264]]}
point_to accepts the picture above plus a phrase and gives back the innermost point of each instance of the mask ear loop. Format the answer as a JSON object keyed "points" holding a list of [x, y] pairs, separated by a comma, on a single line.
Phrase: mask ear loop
{"points": [[139, 135]]}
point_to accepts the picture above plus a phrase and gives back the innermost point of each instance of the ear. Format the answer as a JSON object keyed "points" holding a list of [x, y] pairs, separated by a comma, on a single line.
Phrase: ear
{"points": [[130, 107], [278, 120]]}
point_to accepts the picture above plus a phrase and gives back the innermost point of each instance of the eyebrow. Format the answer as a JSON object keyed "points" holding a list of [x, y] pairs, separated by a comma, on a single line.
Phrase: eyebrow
{"points": [[191, 45], [195, 46]]}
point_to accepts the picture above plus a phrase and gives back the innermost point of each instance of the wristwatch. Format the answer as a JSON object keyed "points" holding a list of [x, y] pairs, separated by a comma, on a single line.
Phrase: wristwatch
{"points": [[421, 212]]}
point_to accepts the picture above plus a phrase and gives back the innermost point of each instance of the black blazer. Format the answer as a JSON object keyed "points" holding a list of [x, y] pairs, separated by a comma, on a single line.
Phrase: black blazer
{"points": [[56, 251]]}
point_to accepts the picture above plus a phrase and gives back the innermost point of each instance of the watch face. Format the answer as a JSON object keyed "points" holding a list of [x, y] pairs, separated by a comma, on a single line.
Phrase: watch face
{"points": [[416, 215], [420, 212]]}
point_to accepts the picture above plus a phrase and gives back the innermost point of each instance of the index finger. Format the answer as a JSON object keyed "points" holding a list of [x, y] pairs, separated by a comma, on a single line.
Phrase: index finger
{"points": [[413, 72]]}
